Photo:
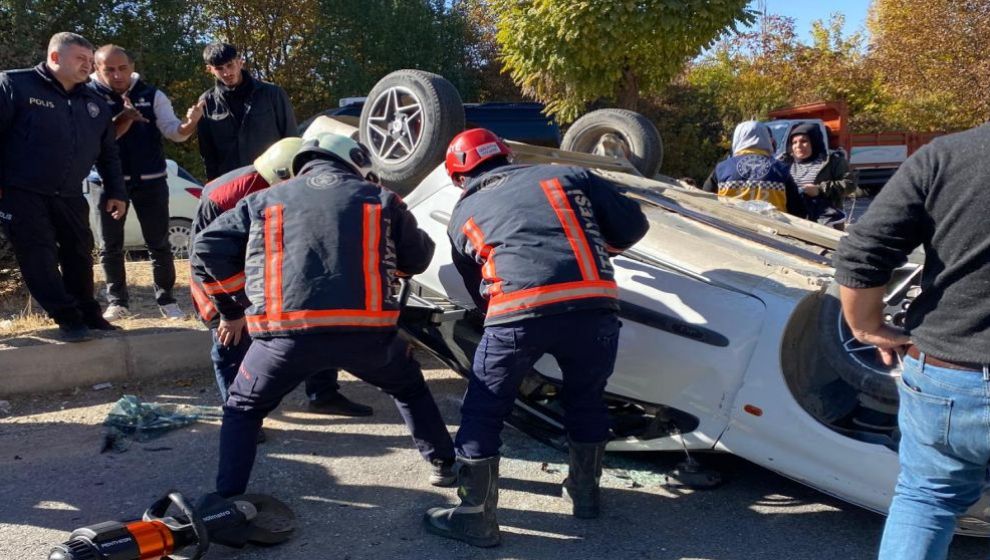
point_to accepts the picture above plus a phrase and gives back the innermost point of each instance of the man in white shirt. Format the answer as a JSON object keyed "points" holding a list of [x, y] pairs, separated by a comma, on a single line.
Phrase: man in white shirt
{"points": [[143, 114]]}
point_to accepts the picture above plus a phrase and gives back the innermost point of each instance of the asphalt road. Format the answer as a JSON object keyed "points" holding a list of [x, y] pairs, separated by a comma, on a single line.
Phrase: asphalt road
{"points": [[359, 489]]}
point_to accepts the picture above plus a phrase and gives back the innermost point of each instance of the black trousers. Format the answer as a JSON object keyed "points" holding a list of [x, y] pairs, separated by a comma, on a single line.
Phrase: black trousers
{"points": [[48, 232], [150, 201]]}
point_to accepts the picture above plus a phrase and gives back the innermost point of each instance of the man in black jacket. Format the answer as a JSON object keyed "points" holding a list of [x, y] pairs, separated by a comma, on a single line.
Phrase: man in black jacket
{"points": [[143, 114], [47, 112], [939, 200], [244, 116], [533, 245]]}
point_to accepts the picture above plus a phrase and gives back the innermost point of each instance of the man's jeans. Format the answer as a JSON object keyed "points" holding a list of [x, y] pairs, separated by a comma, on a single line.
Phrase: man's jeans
{"points": [[944, 420]]}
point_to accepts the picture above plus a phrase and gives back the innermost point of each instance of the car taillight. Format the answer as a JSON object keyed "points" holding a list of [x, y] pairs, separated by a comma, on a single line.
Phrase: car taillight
{"points": [[195, 191]]}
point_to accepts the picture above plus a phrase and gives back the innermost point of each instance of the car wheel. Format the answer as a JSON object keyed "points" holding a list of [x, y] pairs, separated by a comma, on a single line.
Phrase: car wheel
{"points": [[856, 363], [179, 233], [617, 133], [408, 121]]}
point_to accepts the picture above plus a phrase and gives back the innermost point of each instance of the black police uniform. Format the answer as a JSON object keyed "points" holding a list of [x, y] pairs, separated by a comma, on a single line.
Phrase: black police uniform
{"points": [[142, 158], [49, 140]]}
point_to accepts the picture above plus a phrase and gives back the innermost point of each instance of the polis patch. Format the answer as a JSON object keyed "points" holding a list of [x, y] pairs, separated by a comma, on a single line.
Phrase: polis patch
{"points": [[93, 108]]}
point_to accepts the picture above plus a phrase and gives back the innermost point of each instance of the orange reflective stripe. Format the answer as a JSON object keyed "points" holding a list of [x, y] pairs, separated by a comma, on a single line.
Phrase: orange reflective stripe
{"points": [[572, 228], [489, 274], [326, 318], [230, 285], [477, 238], [372, 238], [273, 260], [545, 295], [204, 305], [486, 253]]}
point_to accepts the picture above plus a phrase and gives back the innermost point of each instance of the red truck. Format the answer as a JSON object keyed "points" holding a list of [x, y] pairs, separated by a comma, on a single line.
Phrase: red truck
{"points": [[873, 157]]}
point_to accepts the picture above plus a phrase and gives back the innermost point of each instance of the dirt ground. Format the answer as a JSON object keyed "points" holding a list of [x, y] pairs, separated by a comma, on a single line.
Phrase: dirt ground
{"points": [[22, 322]]}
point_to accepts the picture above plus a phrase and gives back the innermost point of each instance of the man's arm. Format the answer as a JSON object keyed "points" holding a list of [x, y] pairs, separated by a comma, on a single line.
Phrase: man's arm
{"points": [[169, 124], [619, 217], [413, 247], [881, 241], [286, 118], [863, 311], [6, 110], [108, 165], [207, 148], [217, 259]]}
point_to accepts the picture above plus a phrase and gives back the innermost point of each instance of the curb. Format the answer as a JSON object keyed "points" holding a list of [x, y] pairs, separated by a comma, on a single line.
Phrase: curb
{"points": [[47, 367]]}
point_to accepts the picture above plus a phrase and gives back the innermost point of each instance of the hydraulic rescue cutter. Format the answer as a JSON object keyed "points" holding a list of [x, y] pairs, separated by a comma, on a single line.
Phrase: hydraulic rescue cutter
{"points": [[250, 518]]}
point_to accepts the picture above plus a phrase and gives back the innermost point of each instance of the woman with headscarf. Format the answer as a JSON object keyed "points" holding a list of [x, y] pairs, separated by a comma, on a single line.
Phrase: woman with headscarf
{"points": [[823, 178]]}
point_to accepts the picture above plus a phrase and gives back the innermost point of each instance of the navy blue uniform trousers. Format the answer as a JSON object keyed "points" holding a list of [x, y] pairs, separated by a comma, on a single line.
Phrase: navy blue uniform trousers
{"points": [[584, 343], [322, 386], [274, 367]]}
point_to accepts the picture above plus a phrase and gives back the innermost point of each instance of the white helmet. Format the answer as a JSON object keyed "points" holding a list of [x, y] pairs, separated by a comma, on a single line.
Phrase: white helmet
{"points": [[337, 147], [275, 164]]}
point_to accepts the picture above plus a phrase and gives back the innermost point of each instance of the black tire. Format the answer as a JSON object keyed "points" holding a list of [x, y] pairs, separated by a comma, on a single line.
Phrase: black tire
{"points": [[179, 233], [856, 364], [639, 135], [407, 146]]}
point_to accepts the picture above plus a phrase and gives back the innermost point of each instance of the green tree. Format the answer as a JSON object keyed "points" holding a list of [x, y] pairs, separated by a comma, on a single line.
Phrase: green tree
{"points": [[569, 54], [932, 58]]}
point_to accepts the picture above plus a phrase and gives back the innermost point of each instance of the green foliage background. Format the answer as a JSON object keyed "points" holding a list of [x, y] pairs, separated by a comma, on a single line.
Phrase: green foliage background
{"points": [[696, 67]]}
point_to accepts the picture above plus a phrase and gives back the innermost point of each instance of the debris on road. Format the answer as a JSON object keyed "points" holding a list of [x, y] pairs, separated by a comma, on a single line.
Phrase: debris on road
{"points": [[132, 419], [102, 386]]}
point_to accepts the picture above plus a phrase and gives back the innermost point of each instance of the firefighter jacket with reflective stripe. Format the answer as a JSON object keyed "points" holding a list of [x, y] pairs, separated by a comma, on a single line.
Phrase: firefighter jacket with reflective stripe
{"points": [[50, 138], [538, 240], [319, 253], [219, 196]]}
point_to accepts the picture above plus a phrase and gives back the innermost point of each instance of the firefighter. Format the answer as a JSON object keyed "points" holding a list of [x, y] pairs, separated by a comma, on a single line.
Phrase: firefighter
{"points": [[533, 245], [220, 195], [316, 257]]}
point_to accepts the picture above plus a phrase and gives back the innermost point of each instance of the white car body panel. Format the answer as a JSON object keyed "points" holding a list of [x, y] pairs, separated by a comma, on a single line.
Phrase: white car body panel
{"points": [[182, 205], [742, 290]]}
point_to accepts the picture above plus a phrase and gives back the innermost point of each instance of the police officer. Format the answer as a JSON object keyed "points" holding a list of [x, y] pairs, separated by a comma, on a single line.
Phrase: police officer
{"points": [[142, 115], [52, 129], [219, 196], [533, 245], [316, 257]]}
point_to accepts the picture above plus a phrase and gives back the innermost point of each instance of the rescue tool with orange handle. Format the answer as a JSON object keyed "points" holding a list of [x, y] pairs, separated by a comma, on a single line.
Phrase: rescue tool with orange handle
{"points": [[252, 518]]}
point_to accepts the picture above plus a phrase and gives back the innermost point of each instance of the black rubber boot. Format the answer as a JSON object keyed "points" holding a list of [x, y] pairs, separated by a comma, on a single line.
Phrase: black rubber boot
{"points": [[581, 486], [474, 520]]}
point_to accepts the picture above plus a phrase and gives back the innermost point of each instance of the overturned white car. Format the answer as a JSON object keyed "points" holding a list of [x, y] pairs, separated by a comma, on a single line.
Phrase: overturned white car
{"points": [[732, 339]]}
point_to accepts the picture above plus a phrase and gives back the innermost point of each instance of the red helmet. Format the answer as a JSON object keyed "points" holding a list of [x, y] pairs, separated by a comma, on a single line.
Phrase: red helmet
{"points": [[471, 148]]}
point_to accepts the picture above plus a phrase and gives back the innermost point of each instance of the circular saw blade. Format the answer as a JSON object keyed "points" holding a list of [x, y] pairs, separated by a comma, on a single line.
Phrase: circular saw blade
{"points": [[274, 521]]}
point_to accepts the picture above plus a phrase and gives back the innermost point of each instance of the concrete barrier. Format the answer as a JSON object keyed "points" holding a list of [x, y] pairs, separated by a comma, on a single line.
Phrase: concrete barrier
{"points": [[53, 367]]}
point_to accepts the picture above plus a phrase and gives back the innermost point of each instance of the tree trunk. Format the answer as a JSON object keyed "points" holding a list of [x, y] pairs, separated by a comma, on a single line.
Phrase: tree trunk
{"points": [[628, 92]]}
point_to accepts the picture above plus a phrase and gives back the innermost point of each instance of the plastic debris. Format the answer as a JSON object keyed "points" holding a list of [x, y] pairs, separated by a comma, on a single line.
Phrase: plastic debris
{"points": [[130, 419], [102, 386]]}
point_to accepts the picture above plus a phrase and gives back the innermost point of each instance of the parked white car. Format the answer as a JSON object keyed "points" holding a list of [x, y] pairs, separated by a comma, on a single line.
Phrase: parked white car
{"points": [[183, 198], [733, 338]]}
